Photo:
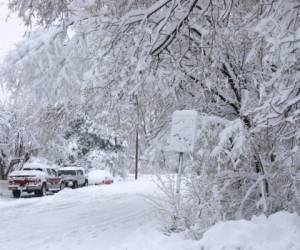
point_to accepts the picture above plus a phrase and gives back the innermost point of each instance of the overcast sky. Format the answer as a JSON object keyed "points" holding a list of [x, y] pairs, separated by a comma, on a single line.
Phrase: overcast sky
{"points": [[11, 30]]}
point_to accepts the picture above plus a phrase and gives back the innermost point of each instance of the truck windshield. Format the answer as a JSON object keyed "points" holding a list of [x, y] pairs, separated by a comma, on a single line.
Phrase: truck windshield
{"points": [[66, 172]]}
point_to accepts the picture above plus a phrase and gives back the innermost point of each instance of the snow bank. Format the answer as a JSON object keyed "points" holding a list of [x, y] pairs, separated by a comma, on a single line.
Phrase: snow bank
{"points": [[280, 231]]}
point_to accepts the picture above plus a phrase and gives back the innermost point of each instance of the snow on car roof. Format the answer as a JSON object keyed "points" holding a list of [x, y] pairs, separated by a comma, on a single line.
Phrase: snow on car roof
{"points": [[33, 165], [26, 173], [71, 168]]}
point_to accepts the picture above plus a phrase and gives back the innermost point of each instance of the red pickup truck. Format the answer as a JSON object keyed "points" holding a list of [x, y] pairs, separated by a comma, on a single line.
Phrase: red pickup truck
{"points": [[35, 178]]}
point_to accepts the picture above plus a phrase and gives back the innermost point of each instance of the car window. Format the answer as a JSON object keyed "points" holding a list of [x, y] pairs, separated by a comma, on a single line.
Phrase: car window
{"points": [[79, 172], [66, 172], [36, 169], [54, 173]]}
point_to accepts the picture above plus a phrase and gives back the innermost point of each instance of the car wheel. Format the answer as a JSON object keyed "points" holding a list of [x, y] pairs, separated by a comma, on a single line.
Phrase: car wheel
{"points": [[86, 183], [42, 192], [75, 185], [16, 193]]}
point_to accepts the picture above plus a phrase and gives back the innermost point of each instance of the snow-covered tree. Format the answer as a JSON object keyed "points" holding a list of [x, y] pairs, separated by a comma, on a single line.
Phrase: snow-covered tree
{"points": [[129, 64], [95, 146], [16, 142], [235, 60]]}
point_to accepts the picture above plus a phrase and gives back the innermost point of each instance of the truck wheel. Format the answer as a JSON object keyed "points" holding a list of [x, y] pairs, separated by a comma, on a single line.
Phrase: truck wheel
{"points": [[41, 192], [62, 186], [75, 185], [86, 183], [16, 193]]}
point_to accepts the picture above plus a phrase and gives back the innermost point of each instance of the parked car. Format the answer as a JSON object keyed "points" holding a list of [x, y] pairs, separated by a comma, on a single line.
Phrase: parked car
{"points": [[100, 177], [34, 178], [74, 177]]}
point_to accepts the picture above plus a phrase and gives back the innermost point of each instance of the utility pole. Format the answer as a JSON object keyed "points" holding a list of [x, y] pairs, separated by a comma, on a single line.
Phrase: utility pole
{"points": [[136, 139], [136, 152]]}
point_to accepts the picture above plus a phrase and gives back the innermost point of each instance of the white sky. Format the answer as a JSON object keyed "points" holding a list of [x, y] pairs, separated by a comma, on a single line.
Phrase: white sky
{"points": [[11, 30]]}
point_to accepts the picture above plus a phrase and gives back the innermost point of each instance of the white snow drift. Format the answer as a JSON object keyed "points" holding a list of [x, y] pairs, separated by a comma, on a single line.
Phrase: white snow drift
{"points": [[281, 231]]}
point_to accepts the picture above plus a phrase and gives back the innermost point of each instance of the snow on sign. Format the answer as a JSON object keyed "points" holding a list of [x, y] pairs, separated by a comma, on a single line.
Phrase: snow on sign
{"points": [[183, 131]]}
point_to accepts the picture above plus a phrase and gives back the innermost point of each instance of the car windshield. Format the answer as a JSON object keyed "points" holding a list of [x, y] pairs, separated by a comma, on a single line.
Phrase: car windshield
{"points": [[66, 172], [30, 169]]}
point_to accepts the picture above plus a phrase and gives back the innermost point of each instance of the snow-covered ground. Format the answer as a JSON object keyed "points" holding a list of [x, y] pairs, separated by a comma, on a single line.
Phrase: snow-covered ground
{"points": [[122, 217], [111, 217]]}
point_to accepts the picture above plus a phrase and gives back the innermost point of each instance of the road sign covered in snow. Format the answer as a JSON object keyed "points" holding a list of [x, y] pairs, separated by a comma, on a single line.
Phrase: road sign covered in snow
{"points": [[183, 131]]}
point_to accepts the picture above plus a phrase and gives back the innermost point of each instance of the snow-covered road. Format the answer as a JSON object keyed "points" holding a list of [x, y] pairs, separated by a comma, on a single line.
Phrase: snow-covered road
{"points": [[118, 216], [122, 217]]}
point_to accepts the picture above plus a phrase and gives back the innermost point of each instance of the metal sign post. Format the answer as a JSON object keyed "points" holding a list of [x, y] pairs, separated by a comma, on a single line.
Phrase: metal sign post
{"points": [[183, 134], [178, 180]]}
